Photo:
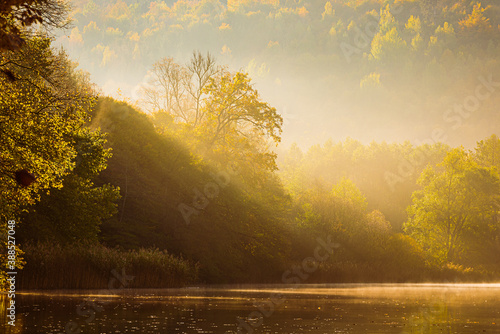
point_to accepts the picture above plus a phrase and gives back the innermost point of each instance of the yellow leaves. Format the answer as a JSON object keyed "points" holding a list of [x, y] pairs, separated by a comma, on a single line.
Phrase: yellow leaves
{"points": [[432, 40], [272, 44], [388, 45], [329, 12], [302, 11], [133, 36], [149, 32], [108, 56], [333, 31], [476, 20], [370, 81], [351, 25], [91, 28], [114, 32], [417, 42], [225, 51], [176, 27], [158, 11], [447, 29], [119, 11], [75, 38], [39, 116], [233, 105], [257, 71], [414, 24], [232, 5], [224, 26], [229, 121]]}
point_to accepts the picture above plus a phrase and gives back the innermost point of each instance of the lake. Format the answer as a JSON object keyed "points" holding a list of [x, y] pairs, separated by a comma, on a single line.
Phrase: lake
{"points": [[333, 308]]}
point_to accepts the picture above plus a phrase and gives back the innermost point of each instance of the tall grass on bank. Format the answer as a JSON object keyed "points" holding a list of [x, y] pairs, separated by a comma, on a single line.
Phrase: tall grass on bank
{"points": [[90, 266]]}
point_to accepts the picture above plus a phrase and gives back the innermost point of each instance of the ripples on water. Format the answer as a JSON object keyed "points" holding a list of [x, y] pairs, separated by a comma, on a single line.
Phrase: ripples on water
{"points": [[346, 308]]}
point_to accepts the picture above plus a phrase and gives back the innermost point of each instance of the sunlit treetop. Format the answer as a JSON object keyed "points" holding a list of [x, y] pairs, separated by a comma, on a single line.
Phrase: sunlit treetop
{"points": [[43, 103]]}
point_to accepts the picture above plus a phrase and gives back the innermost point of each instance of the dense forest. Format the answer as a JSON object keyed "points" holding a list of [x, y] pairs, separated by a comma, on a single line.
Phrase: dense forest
{"points": [[370, 70], [189, 183]]}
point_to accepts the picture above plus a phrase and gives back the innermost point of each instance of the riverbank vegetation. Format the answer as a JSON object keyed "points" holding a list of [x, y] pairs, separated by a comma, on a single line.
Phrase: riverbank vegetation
{"points": [[185, 185], [94, 266]]}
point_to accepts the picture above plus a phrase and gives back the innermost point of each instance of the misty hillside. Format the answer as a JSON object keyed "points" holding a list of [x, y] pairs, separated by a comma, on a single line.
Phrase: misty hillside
{"points": [[424, 71]]}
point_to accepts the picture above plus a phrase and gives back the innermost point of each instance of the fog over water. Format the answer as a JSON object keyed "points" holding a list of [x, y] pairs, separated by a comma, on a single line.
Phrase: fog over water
{"points": [[340, 308]]}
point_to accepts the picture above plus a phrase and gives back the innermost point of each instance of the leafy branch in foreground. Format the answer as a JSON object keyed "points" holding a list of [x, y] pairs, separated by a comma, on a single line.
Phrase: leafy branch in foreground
{"points": [[16, 15], [44, 107]]}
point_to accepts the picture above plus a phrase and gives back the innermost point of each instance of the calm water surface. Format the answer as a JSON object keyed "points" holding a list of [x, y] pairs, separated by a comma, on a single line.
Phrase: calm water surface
{"points": [[346, 308]]}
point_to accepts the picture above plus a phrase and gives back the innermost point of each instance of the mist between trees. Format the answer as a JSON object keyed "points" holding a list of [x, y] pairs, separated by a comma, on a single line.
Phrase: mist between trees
{"points": [[371, 70]]}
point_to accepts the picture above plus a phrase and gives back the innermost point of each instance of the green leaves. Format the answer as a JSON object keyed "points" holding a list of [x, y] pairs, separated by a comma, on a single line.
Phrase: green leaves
{"points": [[456, 198], [238, 125], [76, 210], [234, 104], [488, 152], [39, 112], [44, 107]]}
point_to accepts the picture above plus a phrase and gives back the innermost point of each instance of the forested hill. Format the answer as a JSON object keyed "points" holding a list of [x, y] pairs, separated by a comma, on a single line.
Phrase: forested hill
{"points": [[372, 70]]}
